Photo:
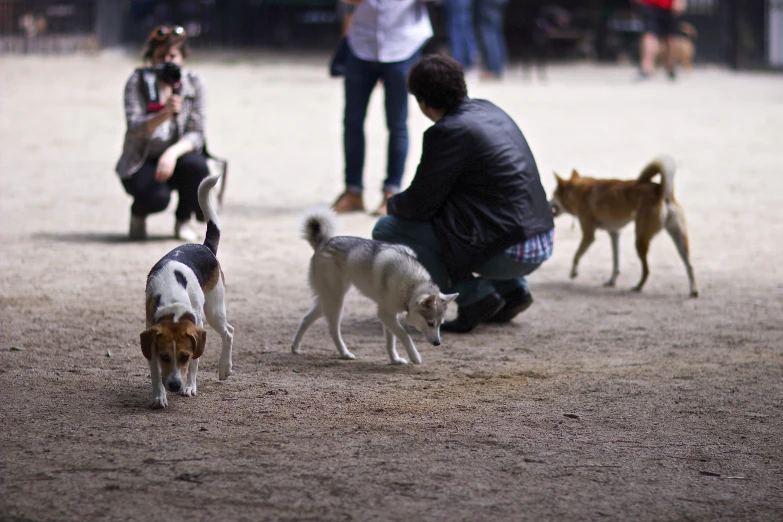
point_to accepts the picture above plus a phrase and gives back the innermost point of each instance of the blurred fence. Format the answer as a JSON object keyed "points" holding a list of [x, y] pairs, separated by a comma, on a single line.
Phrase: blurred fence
{"points": [[46, 26], [743, 33]]}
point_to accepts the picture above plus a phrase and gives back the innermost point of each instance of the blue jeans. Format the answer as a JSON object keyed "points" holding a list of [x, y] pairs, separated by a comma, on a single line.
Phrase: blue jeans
{"points": [[490, 26], [360, 79], [500, 274], [459, 26]]}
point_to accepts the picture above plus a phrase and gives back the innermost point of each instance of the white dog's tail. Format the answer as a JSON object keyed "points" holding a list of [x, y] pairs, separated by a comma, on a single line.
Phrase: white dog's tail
{"points": [[665, 166], [212, 239], [319, 226]]}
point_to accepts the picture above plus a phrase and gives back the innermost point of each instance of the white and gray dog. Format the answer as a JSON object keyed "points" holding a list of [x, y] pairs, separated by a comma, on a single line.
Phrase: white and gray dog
{"points": [[388, 274]]}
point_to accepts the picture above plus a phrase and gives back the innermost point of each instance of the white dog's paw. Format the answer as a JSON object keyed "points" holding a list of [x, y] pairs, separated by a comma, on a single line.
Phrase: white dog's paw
{"points": [[159, 402], [295, 349], [224, 370], [416, 360], [400, 360], [188, 391], [348, 356]]}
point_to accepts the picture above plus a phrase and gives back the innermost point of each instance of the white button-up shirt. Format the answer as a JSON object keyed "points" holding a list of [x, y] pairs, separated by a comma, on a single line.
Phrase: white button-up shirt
{"points": [[389, 30]]}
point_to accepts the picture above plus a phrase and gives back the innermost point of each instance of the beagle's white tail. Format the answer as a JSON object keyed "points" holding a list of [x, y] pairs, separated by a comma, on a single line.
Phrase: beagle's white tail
{"points": [[212, 239]]}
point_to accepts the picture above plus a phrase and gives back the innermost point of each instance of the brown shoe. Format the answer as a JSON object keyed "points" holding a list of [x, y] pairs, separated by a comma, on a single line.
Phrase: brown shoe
{"points": [[381, 210], [348, 202]]}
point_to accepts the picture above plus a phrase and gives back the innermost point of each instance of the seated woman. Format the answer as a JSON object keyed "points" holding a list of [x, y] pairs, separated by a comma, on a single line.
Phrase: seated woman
{"points": [[165, 135]]}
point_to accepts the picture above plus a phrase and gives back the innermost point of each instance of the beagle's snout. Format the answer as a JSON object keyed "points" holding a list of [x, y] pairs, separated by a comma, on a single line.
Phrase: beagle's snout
{"points": [[175, 386], [436, 342]]}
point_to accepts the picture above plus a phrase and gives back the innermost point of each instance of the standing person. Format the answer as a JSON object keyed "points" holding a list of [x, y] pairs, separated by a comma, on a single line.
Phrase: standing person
{"points": [[385, 38], [660, 19], [476, 204], [459, 27], [165, 135], [491, 15]]}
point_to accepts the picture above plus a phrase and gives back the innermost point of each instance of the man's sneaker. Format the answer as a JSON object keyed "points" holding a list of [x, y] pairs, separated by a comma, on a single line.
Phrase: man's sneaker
{"points": [[138, 228], [468, 317], [517, 301], [183, 230], [348, 202], [672, 74]]}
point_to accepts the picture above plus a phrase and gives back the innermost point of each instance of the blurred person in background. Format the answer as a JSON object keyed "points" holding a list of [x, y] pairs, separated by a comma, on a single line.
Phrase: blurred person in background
{"points": [[384, 39], [462, 38], [490, 20], [661, 24], [164, 140]]}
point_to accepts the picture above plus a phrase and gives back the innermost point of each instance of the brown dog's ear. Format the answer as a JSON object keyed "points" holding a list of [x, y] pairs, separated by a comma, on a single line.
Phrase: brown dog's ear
{"points": [[558, 179], [148, 341], [574, 174], [199, 336]]}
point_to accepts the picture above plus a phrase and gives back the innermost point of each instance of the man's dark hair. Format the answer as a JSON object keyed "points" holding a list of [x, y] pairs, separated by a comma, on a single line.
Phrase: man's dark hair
{"points": [[438, 81]]}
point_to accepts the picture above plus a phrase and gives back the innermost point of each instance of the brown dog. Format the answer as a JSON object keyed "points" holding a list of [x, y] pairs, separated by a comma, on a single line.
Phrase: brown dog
{"points": [[610, 204]]}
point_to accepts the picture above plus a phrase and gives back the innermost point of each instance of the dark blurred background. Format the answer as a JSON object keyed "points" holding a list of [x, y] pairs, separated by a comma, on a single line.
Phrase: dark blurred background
{"points": [[746, 34]]}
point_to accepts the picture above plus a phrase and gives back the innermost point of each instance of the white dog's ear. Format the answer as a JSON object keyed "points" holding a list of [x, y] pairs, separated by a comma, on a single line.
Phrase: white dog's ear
{"points": [[447, 298], [427, 301]]}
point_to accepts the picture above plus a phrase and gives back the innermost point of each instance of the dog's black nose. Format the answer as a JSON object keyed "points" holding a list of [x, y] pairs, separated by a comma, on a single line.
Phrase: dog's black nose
{"points": [[436, 342], [175, 386]]}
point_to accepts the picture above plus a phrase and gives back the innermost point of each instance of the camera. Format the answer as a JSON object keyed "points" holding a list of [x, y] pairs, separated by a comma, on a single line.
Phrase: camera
{"points": [[169, 73]]}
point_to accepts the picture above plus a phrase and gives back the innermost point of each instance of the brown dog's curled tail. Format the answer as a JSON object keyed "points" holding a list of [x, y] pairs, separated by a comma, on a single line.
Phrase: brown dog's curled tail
{"points": [[319, 226], [212, 238], [665, 166]]}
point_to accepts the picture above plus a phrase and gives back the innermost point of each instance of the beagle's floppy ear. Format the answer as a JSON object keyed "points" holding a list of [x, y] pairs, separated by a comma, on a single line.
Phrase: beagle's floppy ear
{"points": [[199, 336], [148, 341]]}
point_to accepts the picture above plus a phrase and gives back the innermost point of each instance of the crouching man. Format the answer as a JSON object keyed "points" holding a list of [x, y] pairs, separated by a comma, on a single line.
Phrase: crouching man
{"points": [[475, 213]]}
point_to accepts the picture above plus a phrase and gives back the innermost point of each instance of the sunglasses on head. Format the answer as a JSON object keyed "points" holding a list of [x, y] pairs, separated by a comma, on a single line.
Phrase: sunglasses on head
{"points": [[162, 32]]}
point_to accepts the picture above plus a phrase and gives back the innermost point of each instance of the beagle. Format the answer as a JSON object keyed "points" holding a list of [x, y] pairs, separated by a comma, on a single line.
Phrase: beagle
{"points": [[183, 289]]}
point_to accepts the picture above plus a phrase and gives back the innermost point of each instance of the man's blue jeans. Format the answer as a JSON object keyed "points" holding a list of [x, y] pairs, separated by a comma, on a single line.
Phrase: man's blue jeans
{"points": [[360, 79], [459, 27], [490, 26], [500, 274]]}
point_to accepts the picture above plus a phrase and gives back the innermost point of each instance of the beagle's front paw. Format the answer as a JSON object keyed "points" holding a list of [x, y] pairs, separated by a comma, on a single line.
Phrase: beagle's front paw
{"points": [[160, 401], [188, 391]]}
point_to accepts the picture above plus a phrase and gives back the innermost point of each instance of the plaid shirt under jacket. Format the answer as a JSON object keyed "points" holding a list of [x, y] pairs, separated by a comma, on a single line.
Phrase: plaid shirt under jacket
{"points": [[190, 121], [534, 250]]}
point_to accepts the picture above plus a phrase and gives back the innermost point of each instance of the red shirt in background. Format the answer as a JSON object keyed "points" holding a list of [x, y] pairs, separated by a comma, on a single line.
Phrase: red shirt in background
{"points": [[661, 4]]}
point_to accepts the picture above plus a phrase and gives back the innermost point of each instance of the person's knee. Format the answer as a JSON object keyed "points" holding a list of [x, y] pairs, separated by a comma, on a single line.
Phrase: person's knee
{"points": [[193, 164], [386, 229]]}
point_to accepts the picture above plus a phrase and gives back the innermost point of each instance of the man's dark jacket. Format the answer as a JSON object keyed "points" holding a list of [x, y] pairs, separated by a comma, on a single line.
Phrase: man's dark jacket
{"points": [[479, 186]]}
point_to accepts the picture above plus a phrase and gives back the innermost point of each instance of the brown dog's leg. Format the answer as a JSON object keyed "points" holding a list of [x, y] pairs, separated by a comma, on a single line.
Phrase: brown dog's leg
{"points": [[588, 236], [675, 226], [642, 247], [648, 224]]}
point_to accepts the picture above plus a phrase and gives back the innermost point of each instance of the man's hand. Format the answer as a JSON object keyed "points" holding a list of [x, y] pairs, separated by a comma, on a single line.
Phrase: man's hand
{"points": [[173, 105], [166, 165]]}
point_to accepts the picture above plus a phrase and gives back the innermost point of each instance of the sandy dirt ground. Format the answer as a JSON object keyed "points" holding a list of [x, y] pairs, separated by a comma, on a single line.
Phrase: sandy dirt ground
{"points": [[595, 404]]}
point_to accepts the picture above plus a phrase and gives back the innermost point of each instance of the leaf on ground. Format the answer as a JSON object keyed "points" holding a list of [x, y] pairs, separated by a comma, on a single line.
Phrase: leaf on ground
{"points": [[17, 349]]}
